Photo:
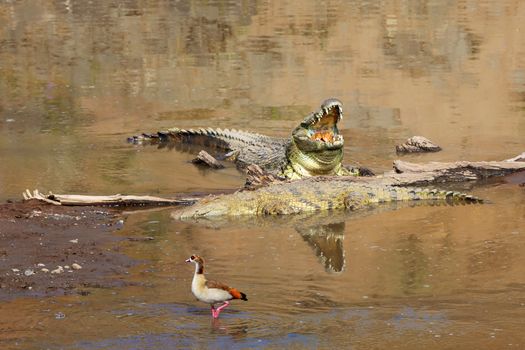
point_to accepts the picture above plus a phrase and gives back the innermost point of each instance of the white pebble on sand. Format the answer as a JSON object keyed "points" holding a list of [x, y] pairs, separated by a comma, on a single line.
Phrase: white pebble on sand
{"points": [[59, 269]]}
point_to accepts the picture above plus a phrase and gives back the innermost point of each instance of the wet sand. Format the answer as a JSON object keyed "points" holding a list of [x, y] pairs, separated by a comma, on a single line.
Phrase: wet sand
{"points": [[34, 234]]}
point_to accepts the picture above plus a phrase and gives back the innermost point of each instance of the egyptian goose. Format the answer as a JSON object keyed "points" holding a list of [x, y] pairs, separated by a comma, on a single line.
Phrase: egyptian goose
{"points": [[211, 292]]}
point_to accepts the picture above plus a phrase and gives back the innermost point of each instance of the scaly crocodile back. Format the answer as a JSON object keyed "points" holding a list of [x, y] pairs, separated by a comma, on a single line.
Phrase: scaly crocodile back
{"points": [[250, 148], [222, 138], [367, 195], [314, 194]]}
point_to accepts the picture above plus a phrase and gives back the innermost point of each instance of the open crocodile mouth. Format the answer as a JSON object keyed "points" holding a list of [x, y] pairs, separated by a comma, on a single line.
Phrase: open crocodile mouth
{"points": [[320, 128]]}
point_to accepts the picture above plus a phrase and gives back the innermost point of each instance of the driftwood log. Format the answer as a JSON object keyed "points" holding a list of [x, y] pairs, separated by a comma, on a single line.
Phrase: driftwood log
{"points": [[256, 177], [412, 174], [404, 174], [114, 200], [518, 158]]}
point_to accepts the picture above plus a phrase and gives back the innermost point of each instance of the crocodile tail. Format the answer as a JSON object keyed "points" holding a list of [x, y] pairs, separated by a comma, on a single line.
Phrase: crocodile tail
{"points": [[451, 197], [219, 138], [213, 138]]}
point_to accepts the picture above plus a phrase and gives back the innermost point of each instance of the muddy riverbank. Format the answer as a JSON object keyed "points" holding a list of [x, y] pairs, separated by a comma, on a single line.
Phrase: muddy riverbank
{"points": [[53, 250]]}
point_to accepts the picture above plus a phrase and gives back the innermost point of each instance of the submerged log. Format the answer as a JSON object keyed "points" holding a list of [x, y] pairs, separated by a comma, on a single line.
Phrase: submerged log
{"points": [[205, 158]]}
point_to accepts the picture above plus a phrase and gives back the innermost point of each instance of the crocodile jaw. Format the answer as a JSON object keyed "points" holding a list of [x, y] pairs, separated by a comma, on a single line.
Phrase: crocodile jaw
{"points": [[318, 131], [304, 164], [316, 147]]}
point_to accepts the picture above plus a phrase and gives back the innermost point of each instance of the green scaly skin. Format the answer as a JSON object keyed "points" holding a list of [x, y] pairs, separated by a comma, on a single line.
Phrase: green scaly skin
{"points": [[310, 195], [314, 148]]}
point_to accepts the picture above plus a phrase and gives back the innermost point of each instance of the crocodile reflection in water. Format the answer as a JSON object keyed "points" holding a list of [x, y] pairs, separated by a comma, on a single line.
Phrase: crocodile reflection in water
{"points": [[326, 240], [324, 232]]}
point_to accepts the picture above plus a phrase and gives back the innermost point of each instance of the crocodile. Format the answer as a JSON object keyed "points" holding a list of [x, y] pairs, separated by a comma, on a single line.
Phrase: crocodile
{"points": [[314, 148], [313, 194]]}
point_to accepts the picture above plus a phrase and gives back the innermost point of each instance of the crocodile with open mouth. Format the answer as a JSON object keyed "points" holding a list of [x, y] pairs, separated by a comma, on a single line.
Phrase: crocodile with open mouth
{"points": [[314, 148]]}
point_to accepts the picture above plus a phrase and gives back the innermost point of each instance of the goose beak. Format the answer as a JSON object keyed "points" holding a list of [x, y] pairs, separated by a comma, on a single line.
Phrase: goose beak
{"points": [[188, 260]]}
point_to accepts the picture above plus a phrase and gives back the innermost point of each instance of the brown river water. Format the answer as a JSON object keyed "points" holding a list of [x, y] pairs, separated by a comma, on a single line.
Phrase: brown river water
{"points": [[78, 77]]}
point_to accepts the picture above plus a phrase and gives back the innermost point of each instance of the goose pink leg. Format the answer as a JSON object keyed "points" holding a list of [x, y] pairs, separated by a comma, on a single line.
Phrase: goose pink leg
{"points": [[219, 309], [214, 313]]}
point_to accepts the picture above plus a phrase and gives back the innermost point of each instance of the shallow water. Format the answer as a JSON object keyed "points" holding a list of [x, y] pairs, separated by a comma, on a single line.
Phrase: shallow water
{"points": [[435, 277], [77, 78]]}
